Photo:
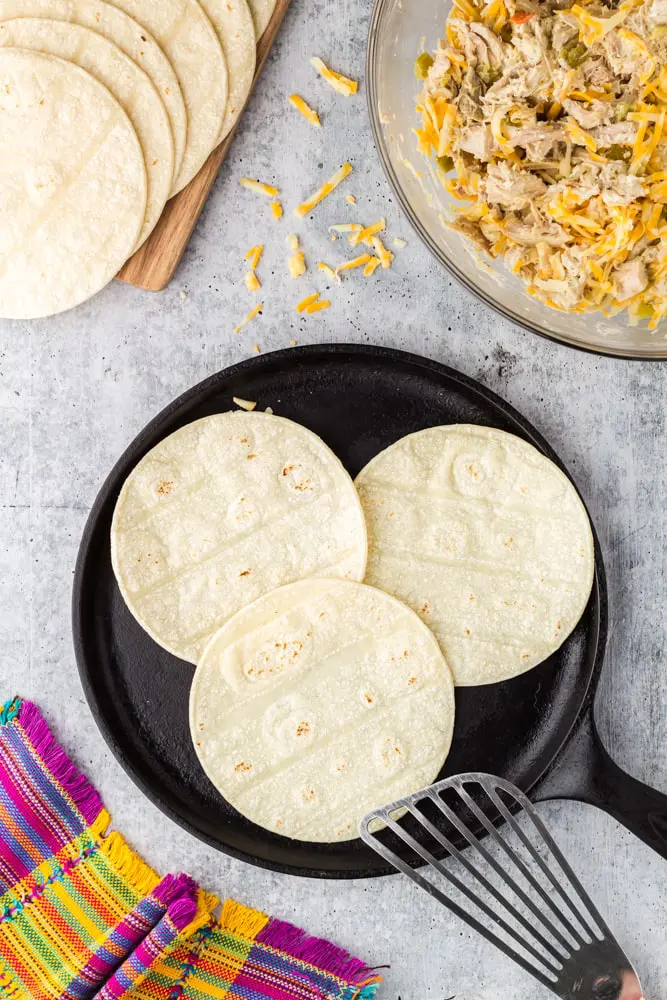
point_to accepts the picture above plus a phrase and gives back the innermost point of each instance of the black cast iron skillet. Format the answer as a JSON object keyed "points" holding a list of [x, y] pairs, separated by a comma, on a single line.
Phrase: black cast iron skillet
{"points": [[537, 730]]}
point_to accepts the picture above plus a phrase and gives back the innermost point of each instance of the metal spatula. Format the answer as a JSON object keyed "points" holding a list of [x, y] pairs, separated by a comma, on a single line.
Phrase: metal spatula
{"points": [[514, 887]]}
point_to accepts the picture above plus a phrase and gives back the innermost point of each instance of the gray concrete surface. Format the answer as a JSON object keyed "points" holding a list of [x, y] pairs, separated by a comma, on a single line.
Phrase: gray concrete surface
{"points": [[75, 390]]}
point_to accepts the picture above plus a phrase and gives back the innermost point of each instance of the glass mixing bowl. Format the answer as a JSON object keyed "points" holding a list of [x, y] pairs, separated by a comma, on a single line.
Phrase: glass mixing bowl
{"points": [[399, 31]]}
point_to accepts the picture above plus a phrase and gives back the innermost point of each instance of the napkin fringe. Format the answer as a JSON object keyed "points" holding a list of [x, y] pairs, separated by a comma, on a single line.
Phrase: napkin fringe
{"points": [[129, 865], [320, 953], [54, 758]]}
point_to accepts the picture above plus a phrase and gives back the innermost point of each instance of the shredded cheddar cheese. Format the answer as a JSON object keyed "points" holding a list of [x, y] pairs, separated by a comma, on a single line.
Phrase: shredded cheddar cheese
{"points": [[251, 315], [254, 255], [365, 235], [593, 29], [293, 241], [252, 282], [297, 264], [349, 265], [305, 109], [266, 189], [276, 210], [245, 404], [308, 301], [350, 199], [347, 227], [385, 255], [329, 271], [307, 206], [371, 267], [341, 83], [318, 306]]}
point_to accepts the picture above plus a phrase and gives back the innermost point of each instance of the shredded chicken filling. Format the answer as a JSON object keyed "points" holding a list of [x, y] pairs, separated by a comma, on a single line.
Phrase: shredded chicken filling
{"points": [[551, 122]]}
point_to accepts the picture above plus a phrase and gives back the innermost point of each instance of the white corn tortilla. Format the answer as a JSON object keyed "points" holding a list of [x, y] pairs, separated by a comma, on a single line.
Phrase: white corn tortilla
{"points": [[224, 510], [188, 38], [234, 27], [320, 701], [486, 539], [262, 11], [73, 192], [128, 83], [135, 41]]}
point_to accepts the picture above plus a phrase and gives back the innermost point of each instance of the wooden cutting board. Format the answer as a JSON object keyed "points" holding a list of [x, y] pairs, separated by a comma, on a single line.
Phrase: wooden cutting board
{"points": [[153, 266]]}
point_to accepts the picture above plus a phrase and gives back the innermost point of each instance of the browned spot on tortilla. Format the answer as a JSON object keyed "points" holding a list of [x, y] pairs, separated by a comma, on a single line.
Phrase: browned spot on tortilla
{"points": [[242, 766], [467, 631], [369, 698], [425, 608], [303, 729], [308, 794], [165, 487], [246, 572], [412, 680], [472, 598], [251, 455], [288, 469]]}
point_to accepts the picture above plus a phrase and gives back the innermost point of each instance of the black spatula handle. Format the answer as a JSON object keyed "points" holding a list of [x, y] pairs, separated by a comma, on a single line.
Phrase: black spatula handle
{"points": [[584, 771]]}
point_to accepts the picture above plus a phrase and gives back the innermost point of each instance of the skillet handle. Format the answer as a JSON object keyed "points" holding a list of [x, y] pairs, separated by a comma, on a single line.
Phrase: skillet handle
{"points": [[584, 771]]}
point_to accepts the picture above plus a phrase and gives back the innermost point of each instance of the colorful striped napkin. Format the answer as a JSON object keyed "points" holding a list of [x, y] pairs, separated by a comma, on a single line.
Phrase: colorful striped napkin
{"points": [[82, 916]]}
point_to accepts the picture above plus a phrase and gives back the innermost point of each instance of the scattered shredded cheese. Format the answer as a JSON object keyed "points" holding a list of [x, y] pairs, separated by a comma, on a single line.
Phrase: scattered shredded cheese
{"points": [[347, 227], [183, 294], [251, 315], [292, 341], [297, 264], [593, 29], [341, 83], [256, 348], [252, 282], [266, 189], [245, 404], [385, 255], [308, 113], [356, 262], [398, 242], [371, 267], [308, 301], [276, 210], [329, 271], [317, 306], [365, 235], [254, 255], [350, 199], [326, 189], [293, 241]]}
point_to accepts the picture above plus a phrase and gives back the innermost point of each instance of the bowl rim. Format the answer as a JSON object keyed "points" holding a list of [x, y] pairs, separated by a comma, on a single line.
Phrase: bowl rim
{"points": [[640, 354]]}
